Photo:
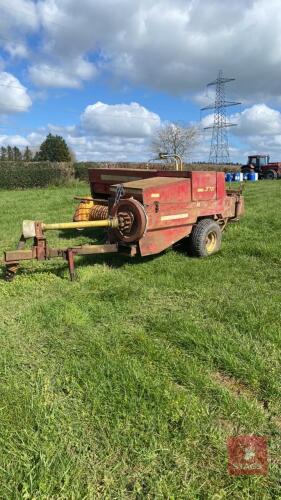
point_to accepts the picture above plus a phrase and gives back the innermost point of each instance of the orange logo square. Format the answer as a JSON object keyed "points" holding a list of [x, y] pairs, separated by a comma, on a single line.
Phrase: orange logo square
{"points": [[247, 455]]}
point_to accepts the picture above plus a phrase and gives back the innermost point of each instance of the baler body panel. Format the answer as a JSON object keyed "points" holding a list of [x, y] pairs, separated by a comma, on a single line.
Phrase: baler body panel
{"points": [[204, 186], [221, 192], [102, 178], [174, 204], [158, 240], [165, 200], [203, 183]]}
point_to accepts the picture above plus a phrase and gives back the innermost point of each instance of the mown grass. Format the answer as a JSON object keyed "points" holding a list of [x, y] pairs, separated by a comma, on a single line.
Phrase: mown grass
{"points": [[128, 382]]}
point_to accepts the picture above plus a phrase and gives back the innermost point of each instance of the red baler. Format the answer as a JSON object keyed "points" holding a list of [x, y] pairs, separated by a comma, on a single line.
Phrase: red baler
{"points": [[144, 212]]}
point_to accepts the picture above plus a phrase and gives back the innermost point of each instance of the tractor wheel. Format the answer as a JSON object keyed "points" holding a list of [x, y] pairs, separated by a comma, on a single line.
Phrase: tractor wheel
{"points": [[205, 238], [270, 175]]}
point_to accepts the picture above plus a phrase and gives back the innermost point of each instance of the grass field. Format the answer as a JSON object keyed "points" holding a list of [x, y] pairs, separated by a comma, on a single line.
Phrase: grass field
{"points": [[128, 382]]}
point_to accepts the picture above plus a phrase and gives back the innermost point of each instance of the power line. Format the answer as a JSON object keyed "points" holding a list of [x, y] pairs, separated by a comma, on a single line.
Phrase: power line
{"points": [[5, 38], [145, 120], [39, 17], [219, 151], [12, 86], [7, 112]]}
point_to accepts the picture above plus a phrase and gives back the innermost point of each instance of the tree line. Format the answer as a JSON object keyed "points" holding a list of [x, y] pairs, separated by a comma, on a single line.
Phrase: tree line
{"points": [[10, 153], [53, 148]]}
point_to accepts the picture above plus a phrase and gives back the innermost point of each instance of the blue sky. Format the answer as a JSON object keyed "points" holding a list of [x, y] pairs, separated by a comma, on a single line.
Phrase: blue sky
{"points": [[107, 74]]}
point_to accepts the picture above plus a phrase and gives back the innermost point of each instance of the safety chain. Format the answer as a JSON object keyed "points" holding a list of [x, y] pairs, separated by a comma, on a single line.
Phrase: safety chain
{"points": [[120, 191]]}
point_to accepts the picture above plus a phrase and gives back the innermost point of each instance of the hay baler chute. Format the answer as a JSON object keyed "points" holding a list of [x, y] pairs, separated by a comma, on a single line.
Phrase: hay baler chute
{"points": [[144, 212]]}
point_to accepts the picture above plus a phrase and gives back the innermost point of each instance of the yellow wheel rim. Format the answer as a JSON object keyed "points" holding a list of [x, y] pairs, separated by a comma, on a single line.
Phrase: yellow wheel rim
{"points": [[211, 242]]}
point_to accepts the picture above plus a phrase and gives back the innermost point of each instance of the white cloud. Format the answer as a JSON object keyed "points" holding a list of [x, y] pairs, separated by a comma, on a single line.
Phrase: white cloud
{"points": [[100, 137], [259, 119], [88, 148], [13, 96], [258, 131], [18, 18], [13, 140], [207, 121], [20, 14], [17, 49], [117, 132], [106, 132], [92, 148], [172, 45], [205, 98], [123, 120], [63, 76]]}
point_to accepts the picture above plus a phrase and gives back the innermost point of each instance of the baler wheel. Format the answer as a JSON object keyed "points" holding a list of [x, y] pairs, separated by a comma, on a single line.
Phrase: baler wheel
{"points": [[132, 219], [10, 272], [205, 238]]}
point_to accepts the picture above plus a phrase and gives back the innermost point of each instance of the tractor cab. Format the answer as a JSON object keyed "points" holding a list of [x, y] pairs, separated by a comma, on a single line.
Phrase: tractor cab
{"points": [[264, 168], [258, 162]]}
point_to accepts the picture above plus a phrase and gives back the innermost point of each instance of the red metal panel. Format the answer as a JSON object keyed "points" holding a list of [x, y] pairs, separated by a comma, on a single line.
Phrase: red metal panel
{"points": [[204, 185], [101, 178], [166, 201], [229, 206], [220, 185], [167, 205], [157, 241], [213, 207]]}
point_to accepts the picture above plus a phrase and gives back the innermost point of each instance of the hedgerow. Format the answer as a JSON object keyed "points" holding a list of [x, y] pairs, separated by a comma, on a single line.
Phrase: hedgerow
{"points": [[23, 175]]}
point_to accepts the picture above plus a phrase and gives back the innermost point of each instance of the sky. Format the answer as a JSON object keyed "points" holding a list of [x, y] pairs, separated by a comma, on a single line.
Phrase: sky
{"points": [[106, 74]]}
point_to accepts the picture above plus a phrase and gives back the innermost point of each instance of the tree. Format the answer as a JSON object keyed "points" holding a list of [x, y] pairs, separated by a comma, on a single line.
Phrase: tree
{"points": [[10, 155], [3, 153], [27, 155], [17, 154], [174, 138], [54, 148]]}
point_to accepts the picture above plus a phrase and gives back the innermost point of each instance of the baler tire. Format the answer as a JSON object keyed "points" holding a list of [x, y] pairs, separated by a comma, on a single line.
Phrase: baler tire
{"points": [[205, 238], [9, 275]]}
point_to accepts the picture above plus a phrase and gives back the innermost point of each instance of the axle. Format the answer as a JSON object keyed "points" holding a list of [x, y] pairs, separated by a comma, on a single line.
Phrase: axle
{"points": [[113, 223], [30, 229]]}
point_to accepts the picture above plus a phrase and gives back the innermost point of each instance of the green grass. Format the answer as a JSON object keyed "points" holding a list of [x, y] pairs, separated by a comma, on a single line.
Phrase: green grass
{"points": [[128, 382]]}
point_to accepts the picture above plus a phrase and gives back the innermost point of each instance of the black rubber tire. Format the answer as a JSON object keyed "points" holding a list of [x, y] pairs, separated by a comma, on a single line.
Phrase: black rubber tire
{"points": [[199, 236], [9, 276], [270, 175]]}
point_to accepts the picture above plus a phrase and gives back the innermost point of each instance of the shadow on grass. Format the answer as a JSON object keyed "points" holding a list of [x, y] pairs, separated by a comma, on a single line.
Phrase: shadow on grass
{"points": [[59, 267], [93, 234], [183, 247]]}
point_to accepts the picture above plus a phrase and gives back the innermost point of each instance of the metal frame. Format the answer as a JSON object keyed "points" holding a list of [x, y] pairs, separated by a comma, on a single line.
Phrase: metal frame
{"points": [[41, 251]]}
